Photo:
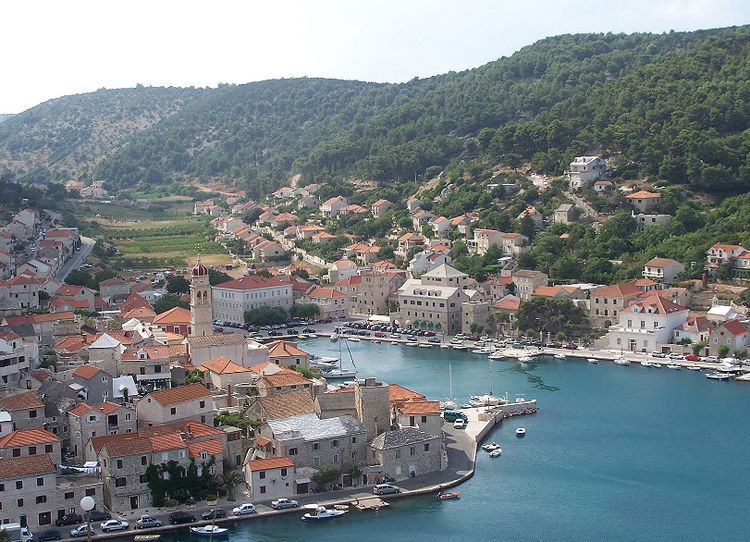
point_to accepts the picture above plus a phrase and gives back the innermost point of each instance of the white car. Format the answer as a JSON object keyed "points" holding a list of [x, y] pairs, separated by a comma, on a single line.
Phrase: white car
{"points": [[244, 509], [278, 504], [460, 423], [114, 525]]}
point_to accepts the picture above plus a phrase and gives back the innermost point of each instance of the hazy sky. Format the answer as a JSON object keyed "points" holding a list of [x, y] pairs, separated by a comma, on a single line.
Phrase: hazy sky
{"points": [[53, 48]]}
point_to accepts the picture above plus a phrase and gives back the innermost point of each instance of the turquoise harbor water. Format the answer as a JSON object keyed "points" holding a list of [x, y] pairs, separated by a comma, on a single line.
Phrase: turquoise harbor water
{"points": [[614, 453]]}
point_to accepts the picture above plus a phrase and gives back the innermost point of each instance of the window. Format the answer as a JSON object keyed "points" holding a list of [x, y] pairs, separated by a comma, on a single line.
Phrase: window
{"points": [[32, 414], [119, 463], [335, 458], [424, 419], [39, 482], [354, 440], [203, 404], [262, 489], [90, 492], [19, 484], [45, 518], [120, 482], [426, 446], [69, 495], [48, 448], [2, 487], [292, 451], [181, 454], [316, 461], [398, 454], [144, 460], [32, 450], [41, 499], [20, 503], [92, 418], [16, 452], [165, 456], [316, 445], [262, 475], [412, 450], [143, 478], [173, 411], [334, 443]]}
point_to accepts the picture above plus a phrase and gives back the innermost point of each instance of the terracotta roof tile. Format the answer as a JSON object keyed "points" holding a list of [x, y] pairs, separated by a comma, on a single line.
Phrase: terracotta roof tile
{"points": [[180, 394], [21, 401], [285, 405], [420, 407], [270, 463], [176, 315], [283, 379], [224, 366], [211, 447], [34, 465], [23, 437], [86, 371], [281, 348], [399, 394], [163, 443]]}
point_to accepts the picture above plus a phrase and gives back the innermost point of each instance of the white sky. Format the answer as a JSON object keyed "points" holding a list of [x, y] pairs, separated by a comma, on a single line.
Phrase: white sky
{"points": [[52, 48]]}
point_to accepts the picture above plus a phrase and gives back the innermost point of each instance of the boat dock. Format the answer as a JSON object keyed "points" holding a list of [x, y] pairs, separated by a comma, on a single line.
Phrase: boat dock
{"points": [[370, 503], [483, 419]]}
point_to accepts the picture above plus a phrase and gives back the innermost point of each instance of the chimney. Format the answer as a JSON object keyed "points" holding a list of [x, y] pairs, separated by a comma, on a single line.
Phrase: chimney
{"points": [[229, 395]]}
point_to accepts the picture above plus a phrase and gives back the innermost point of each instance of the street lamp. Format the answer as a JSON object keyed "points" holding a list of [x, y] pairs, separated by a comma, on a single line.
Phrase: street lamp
{"points": [[87, 503]]}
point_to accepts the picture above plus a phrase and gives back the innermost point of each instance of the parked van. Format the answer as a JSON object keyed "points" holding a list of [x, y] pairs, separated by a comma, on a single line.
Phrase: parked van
{"points": [[453, 415]]}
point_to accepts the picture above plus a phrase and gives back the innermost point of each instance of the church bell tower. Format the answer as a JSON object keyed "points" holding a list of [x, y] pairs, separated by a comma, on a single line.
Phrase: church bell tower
{"points": [[201, 307]]}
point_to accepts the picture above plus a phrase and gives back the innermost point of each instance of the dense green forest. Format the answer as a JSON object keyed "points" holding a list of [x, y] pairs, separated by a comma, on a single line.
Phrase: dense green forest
{"points": [[675, 106]]}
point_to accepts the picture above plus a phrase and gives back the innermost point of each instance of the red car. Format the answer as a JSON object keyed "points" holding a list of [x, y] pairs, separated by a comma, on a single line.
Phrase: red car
{"points": [[379, 334], [571, 346], [69, 519], [692, 357]]}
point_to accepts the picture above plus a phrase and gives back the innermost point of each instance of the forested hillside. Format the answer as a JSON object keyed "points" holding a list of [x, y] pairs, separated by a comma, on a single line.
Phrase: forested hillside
{"points": [[675, 106]]}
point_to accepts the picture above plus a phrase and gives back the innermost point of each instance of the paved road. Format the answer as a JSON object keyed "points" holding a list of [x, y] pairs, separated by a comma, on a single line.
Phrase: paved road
{"points": [[78, 258]]}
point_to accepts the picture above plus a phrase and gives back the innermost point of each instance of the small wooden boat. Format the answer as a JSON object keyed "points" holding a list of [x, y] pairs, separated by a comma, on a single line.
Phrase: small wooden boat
{"points": [[209, 531], [521, 432], [146, 537], [445, 495]]}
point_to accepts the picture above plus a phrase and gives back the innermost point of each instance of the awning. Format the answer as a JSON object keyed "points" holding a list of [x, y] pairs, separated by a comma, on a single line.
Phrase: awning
{"points": [[303, 480]]}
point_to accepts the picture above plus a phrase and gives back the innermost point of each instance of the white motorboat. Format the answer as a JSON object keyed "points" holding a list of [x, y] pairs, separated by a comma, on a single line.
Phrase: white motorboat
{"points": [[334, 337], [394, 342], [460, 347], [457, 341], [647, 363], [484, 350], [526, 359], [674, 366], [210, 531], [621, 361], [487, 400], [443, 345], [497, 355], [593, 361], [521, 432], [693, 368], [559, 356], [656, 365], [496, 453], [338, 374], [321, 513], [411, 343], [313, 335], [354, 339], [715, 375], [425, 345], [490, 447]]}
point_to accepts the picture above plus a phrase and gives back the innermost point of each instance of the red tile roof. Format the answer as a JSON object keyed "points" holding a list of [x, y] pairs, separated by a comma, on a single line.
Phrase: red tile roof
{"points": [[656, 304], [262, 441], [21, 401], [225, 366], [180, 394], [420, 407], [163, 443], [328, 293], [176, 315], [626, 289], [23, 437], [399, 394], [18, 467], [281, 348], [86, 371], [250, 282], [643, 194], [735, 327], [271, 463], [211, 447]]}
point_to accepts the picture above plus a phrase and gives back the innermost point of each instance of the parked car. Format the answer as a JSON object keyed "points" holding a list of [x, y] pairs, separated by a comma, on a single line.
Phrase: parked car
{"points": [[69, 519], [692, 357], [675, 355], [433, 339], [244, 509], [274, 333], [114, 525], [658, 354], [460, 423], [98, 515], [278, 504], [571, 346], [214, 513], [81, 530], [146, 522], [51, 534], [175, 518], [384, 489]]}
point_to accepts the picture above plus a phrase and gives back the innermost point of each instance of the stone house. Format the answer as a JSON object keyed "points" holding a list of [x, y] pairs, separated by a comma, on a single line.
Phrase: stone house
{"points": [[720, 253], [408, 452], [175, 320], [695, 330], [281, 382], [222, 374], [113, 287], [643, 199], [507, 305], [342, 269], [191, 402], [608, 301], [86, 421], [311, 442], [380, 207], [527, 281], [332, 303], [584, 169], [234, 346], [644, 221], [332, 206], [29, 493], [272, 478], [287, 354], [26, 410], [92, 384], [732, 334], [424, 415], [31, 442], [564, 214]]}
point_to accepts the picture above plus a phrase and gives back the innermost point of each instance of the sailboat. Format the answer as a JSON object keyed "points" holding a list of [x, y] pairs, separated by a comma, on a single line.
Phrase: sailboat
{"points": [[450, 403], [489, 399], [340, 373]]}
